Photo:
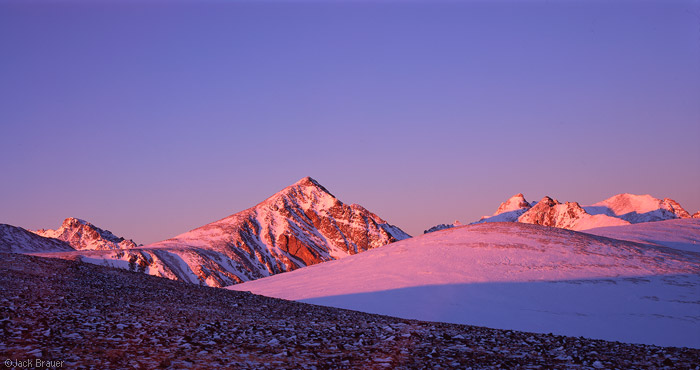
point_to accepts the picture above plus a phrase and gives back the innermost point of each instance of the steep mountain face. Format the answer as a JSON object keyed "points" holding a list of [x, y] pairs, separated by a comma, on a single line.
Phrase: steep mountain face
{"points": [[676, 208], [18, 240], [304, 224], [83, 235], [549, 212], [639, 208], [696, 214]]}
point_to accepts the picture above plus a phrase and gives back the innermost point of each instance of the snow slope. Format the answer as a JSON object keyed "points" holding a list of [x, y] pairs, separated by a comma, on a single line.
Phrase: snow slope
{"points": [[514, 276], [18, 240], [678, 233]]}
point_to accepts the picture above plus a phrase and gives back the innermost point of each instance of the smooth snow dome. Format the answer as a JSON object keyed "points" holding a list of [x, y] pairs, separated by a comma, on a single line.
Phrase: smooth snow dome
{"points": [[637, 208], [514, 276], [680, 234], [625, 203]]}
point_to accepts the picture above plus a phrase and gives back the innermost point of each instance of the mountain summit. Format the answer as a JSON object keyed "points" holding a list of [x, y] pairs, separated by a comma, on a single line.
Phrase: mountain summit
{"points": [[301, 225], [510, 210], [83, 235], [639, 208], [516, 203]]}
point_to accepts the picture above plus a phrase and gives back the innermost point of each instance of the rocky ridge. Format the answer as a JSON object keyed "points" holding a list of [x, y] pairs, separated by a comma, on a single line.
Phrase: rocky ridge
{"points": [[18, 240]]}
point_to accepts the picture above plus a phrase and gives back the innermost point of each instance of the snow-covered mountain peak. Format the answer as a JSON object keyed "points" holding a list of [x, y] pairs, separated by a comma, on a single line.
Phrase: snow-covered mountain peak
{"points": [[514, 203], [508, 211], [624, 203], [83, 235], [309, 181], [639, 208], [309, 185], [306, 193], [73, 222], [302, 224], [547, 201]]}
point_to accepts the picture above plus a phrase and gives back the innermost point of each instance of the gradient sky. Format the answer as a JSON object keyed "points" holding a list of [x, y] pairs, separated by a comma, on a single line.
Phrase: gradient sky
{"points": [[150, 119]]}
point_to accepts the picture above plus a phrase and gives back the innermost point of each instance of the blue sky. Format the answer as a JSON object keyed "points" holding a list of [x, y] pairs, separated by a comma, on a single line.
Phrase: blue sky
{"points": [[152, 118]]}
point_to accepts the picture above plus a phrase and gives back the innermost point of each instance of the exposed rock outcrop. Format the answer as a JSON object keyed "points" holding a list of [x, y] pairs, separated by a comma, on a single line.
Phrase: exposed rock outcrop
{"points": [[550, 212]]}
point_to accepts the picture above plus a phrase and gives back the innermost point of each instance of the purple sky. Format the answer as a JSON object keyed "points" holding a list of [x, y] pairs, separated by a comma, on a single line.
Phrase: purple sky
{"points": [[152, 119]]}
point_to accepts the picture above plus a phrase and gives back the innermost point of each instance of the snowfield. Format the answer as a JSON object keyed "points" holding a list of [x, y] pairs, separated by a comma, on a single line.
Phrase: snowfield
{"points": [[680, 233], [515, 276]]}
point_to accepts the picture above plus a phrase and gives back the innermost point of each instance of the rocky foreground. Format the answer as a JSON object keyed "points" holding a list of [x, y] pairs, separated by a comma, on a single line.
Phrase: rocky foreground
{"points": [[78, 316]]}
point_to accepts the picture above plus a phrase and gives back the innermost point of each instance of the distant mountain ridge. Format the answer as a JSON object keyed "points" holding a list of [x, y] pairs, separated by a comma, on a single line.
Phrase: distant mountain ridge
{"points": [[621, 209], [15, 239], [303, 224], [442, 227], [617, 210], [82, 235]]}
